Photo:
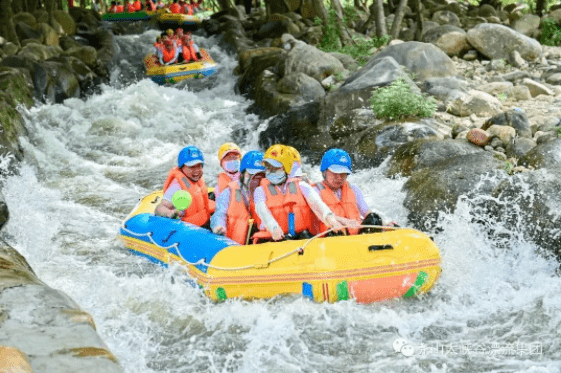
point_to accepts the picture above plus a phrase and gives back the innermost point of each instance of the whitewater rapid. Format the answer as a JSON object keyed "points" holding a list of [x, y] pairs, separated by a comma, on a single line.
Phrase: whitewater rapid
{"points": [[87, 162]]}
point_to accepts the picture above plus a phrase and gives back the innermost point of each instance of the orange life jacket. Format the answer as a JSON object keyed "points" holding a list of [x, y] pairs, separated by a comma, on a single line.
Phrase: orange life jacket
{"points": [[281, 205], [137, 5], [174, 8], [223, 179], [238, 215], [187, 9], [120, 8], [113, 9], [130, 8], [168, 55], [189, 54], [201, 207], [345, 207], [150, 6]]}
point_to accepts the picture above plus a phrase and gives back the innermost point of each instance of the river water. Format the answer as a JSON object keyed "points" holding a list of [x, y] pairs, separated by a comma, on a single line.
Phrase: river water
{"points": [[496, 307]]}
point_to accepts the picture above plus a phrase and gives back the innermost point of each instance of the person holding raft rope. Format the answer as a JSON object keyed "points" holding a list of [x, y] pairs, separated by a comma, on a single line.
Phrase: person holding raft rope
{"points": [[344, 198], [235, 214], [187, 176], [286, 206]]}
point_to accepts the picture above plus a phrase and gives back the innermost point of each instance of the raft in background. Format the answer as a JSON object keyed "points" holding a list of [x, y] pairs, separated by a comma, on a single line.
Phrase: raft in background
{"points": [[177, 72], [128, 17], [164, 19], [368, 267]]}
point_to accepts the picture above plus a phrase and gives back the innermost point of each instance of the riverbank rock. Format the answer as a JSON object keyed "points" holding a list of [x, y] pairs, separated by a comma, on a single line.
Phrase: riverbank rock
{"points": [[45, 325], [498, 41]]}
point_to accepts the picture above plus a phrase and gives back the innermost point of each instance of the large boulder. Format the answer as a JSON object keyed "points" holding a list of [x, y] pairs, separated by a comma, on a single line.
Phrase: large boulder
{"points": [[357, 90], [498, 41], [305, 88], [546, 155], [527, 25], [15, 83], [527, 205], [420, 154], [86, 54], [433, 34], [422, 60], [50, 36], [26, 18], [66, 21], [436, 188], [453, 44], [39, 52], [252, 63], [513, 118], [26, 32], [310, 61], [446, 17], [473, 102]]}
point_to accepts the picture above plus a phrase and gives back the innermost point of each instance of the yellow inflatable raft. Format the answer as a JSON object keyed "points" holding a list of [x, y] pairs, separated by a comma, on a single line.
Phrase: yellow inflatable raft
{"points": [[180, 71], [367, 267]]}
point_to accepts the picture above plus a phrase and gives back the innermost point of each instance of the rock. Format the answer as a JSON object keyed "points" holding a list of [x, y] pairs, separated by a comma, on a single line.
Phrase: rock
{"points": [[419, 154], [10, 48], [437, 188], [478, 137], [519, 147], [86, 54], [254, 62], [496, 88], [526, 204], [445, 17], [498, 41], [470, 55], [504, 134], [513, 118], [66, 21], [486, 10], [276, 29], [348, 62], [357, 90], [25, 31], [13, 360], [14, 83], [544, 156], [516, 60], [536, 88], [453, 44], [310, 61], [50, 36], [298, 126], [471, 22], [521, 93], [554, 79], [12, 128], [38, 52], [431, 35], [423, 60], [527, 24], [473, 102], [302, 85], [24, 17]]}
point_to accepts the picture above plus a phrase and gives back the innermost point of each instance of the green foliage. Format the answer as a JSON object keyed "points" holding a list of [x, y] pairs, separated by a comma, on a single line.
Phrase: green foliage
{"points": [[551, 33], [508, 167], [398, 100]]}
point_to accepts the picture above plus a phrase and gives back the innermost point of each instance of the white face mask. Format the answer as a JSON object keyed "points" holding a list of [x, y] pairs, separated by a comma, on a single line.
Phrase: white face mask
{"points": [[232, 166], [277, 177]]}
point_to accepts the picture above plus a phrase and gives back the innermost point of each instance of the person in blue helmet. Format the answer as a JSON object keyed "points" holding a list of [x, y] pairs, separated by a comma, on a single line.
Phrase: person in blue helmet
{"points": [[342, 197], [235, 211], [187, 175]]}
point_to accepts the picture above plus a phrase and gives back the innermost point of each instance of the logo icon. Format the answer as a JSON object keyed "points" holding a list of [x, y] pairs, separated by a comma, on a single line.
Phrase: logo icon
{"points": [[403, 347]]}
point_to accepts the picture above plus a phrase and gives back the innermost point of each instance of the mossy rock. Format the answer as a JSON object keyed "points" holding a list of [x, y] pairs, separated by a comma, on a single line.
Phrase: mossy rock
{"points": [[13, 82]]}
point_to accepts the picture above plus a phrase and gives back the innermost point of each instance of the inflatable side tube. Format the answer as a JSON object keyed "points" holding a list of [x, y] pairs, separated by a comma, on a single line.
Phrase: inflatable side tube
{"points": [[192, 243]]}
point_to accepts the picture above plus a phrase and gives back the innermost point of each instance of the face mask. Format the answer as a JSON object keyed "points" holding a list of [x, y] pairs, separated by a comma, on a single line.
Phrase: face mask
{"points": [[232, 166], [276, 177]]}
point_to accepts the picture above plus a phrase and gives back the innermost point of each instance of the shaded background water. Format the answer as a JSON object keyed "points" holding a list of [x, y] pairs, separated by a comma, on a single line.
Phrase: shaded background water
{"points": [[494, 309]]}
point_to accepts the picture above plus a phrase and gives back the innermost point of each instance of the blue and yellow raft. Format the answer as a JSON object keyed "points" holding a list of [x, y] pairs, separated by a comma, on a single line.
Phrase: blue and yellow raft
{"points": [[181, 71], [368, 267]]}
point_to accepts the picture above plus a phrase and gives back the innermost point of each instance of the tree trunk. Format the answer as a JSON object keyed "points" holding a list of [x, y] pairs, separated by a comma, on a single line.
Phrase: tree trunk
{"points": [[400, 12], [17, 6], [50, 8], [7, 29], [82, 4], [380, 19], [540, 6], [419, 15], [343, 31], [360, 6], [32, 5], [371, 18], [320, 11]]}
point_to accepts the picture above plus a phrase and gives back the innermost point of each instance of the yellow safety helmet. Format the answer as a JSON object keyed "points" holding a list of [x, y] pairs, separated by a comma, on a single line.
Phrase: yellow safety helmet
{"points": [[169, 31], [296, 153], [226, 148], [279, 155]]}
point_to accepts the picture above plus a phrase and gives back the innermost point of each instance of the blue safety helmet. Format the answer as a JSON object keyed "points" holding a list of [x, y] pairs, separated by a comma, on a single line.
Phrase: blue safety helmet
{"points": [[336, 160], [190, 156], [252, 162]]}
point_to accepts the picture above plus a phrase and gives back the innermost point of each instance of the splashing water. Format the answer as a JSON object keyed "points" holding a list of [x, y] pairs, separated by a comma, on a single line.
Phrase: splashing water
{"points": [[494, 309]]}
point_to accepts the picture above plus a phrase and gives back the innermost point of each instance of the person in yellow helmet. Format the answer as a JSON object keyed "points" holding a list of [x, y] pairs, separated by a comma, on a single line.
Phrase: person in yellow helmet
{"points": [[229, 156], [285, 206]]}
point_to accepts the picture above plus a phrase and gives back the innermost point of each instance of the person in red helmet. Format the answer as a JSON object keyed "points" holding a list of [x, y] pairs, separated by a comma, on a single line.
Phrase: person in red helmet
{"points": [[137, 5], [129, 7], [170, 53]]}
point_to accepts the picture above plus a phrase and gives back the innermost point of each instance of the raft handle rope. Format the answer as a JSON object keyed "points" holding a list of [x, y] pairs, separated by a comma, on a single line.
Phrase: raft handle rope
{"points": [[299, 250]]}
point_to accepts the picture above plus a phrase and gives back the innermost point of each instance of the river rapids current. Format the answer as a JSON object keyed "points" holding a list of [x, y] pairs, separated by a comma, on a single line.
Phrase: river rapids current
{"points": [[495, 308]]}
